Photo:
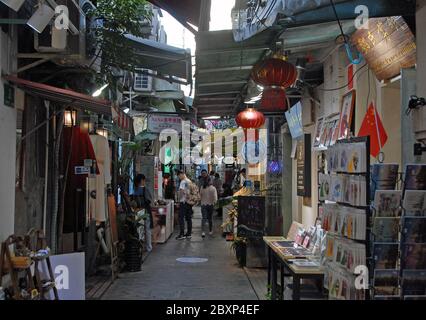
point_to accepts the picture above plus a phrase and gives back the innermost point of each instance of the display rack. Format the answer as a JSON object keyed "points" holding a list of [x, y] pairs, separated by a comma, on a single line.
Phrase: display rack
{"points": [[346, 240], [385, 207], [413, 236]]}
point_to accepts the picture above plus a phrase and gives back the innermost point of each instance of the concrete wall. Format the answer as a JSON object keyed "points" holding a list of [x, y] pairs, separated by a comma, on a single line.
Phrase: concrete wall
{"points": [[419, 116], [8, 145]]}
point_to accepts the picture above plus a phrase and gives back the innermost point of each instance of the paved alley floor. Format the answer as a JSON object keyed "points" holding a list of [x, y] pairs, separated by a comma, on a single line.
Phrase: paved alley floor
{"points": [[162, 277]]}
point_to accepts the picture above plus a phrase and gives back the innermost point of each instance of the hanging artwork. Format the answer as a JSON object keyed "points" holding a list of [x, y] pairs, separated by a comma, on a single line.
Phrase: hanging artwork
{"points": [[346, 115]]}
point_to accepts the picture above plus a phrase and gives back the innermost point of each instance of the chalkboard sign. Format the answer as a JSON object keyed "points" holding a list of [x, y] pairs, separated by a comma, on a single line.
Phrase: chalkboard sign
{"points": [[251, 217]]}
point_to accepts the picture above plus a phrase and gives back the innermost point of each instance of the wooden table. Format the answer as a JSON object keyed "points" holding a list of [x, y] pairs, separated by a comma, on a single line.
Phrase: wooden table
{"points": [[276, 259]]}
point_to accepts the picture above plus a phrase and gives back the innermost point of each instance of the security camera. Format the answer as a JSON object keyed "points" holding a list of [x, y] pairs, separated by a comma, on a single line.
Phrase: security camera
{"points": [[416, 102]]}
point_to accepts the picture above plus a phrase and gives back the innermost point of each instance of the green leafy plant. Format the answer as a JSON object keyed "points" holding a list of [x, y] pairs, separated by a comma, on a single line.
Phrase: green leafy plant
{"points": [[117, 18]]}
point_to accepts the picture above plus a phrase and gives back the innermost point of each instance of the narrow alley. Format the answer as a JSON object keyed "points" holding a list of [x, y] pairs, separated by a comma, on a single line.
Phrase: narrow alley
{"points": [[164, 278]]}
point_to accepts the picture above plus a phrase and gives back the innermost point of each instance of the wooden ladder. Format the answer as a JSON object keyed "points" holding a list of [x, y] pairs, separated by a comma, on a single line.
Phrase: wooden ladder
{"points": [[44, 286]]}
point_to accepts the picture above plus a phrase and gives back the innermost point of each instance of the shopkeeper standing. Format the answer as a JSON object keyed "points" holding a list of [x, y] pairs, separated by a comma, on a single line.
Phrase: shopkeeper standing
{"points": [[143, 199]]}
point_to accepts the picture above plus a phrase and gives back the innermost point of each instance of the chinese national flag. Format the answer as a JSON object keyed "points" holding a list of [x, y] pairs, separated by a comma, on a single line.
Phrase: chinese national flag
{"points": [[369, 128]]}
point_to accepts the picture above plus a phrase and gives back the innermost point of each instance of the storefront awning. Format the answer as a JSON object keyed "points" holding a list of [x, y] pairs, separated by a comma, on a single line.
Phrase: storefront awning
{"points": [[164, 59], [184, 11], [63, 96]]}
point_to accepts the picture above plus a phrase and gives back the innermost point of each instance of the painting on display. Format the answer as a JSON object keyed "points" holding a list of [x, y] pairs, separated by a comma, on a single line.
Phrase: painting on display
{"points": [[346, 115]]}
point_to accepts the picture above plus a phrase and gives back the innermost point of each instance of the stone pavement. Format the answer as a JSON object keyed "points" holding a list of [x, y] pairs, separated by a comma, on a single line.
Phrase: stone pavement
{"points": [[162, 277]]}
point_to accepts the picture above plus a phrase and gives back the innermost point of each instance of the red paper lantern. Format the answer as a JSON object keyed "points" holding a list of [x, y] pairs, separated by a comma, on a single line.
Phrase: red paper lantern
{"points": [[250, 119], [275, 72], [274, 99]]}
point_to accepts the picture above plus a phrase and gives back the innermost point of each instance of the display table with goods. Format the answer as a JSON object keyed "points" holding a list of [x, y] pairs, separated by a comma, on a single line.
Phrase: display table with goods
{"points": [[292, 260]]}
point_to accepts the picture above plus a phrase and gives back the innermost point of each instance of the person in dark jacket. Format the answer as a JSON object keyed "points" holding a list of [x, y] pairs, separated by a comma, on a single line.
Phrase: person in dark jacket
{"points": [[143, 198]]}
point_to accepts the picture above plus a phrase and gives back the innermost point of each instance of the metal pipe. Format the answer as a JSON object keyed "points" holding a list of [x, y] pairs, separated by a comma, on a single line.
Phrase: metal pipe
{"points": [[46, 166]]}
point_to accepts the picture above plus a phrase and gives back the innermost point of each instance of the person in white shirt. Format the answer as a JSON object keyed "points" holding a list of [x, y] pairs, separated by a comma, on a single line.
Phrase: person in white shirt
{"points": [[185, 209], [208, 195]]}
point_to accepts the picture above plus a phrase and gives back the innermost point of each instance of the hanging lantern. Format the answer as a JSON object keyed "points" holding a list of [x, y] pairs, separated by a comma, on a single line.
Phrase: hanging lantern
{"points": [[275, 71], [274, 99], [250, 119]]}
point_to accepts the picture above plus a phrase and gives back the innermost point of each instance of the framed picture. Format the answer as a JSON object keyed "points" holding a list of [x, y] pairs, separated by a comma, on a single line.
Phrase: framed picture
{"points": [[318, 131], [346, 114], [336, 128]]}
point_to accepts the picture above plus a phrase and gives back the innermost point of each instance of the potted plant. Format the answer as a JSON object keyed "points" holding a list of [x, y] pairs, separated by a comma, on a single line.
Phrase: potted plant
{"points": [[239, 246]]}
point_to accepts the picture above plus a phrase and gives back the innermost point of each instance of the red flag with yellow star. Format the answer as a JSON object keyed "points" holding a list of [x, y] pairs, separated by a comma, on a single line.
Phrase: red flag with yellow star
{"points": [[376, 131]]}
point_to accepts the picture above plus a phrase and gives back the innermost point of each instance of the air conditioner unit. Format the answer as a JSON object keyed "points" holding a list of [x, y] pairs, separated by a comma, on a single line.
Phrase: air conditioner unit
{"points": [[143, 81]]}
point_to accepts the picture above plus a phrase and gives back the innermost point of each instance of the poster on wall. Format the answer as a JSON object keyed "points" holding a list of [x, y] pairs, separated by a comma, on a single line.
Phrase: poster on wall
{"points": [[251, 217], [303, 167], [346, 115], [388, 46], [329, 132], [294, 120], [318, 130]]}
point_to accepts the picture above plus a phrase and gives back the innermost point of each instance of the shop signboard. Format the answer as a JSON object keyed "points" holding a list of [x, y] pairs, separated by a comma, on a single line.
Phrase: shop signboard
{"points": [[158, 123], [303, 158], [251, 217], [388, 46], [81, 170]]}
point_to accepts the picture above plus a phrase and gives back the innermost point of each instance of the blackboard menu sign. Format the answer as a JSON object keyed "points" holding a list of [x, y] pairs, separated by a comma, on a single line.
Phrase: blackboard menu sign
{"points": [[251, 217], [304, 166]]}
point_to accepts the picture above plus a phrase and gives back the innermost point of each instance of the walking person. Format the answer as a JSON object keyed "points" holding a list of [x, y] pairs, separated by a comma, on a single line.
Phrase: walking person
{"points": [[218, 184], [143, 199], [188, 196], [208, 196]]}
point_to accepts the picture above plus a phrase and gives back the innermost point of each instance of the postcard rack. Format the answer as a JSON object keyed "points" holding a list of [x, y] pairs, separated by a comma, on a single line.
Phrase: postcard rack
{"points": [[413, 235], [344, 212]]}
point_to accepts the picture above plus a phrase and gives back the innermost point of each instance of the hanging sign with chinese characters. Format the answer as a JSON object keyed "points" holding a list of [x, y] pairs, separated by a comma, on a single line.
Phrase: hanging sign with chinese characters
{"points": [[158, 123], [388, 45]]}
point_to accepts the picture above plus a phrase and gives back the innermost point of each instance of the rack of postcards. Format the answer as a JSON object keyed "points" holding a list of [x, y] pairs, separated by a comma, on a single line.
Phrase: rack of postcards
{"points": [[399, 232], [413, 235], [343, 191], [386, 209]]}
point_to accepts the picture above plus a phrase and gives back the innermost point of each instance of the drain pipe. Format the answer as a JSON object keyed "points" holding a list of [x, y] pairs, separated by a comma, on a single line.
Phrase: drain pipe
{"points": [[46, 166]]}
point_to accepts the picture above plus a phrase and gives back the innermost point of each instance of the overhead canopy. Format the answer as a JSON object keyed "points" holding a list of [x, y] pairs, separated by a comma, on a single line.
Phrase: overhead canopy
{"points": [[165, 59], [63, 96], [223, 69], [184, 11]]}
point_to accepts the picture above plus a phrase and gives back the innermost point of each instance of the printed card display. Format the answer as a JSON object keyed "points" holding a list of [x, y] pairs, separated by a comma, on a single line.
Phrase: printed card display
{"points": [[414, 203], [383, 177], [414, 283], [387, 203], [413, 256], [385, 255], [386, 229], [415, 177], [414, 230], [386, 282]]}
